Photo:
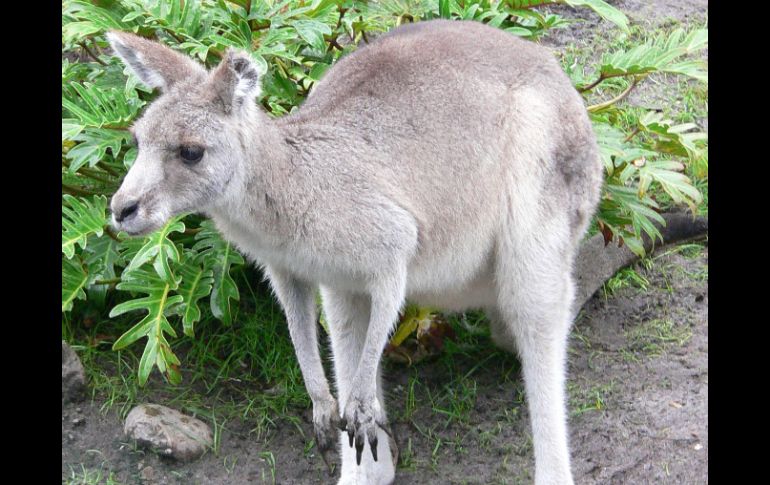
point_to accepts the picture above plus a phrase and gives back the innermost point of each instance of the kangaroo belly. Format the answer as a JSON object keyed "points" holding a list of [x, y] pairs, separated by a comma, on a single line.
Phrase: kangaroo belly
{"points": [[456, 278]]}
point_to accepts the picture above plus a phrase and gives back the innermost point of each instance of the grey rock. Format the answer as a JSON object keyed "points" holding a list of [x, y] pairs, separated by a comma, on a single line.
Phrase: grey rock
{"points": [[168, 431], [73, 377], [148, 474]]}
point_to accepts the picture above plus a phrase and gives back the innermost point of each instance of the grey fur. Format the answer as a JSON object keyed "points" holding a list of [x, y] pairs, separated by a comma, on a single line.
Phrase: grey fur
{"points": [[447, 162]]}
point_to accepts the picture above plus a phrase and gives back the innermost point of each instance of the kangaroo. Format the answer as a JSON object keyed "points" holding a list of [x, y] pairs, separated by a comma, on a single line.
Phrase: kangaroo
{"points": [[447, 162]]}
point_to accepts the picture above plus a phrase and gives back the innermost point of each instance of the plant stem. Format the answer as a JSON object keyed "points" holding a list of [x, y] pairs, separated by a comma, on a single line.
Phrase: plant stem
{"points": [[76, 190], [111, 234], [334, 44], [93, 174], [173, 34], [633, 133], [88, 173], [91, 53], [602, 77], [619, 97], [109, 170], [592, 85]]}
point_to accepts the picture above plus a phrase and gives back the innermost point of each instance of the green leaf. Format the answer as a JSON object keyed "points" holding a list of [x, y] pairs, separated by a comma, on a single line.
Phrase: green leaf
{"points": [[520, 31], [443, 9], [159, 303], [196, 283], [693, 69], [639, 209], [129, 157], [102, 257], [275, 84], [93, 146], [159, 249], [83, 19], [676, 184], [313, 32], [318, 70], [674, 139], [80, 218], [604, 10], [220, 256], [73, 280], [96, 106], [660, 54], [70, 129]]}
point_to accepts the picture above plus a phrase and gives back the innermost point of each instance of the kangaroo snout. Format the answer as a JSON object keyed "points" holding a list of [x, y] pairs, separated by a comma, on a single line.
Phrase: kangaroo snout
{"points": [[127, 210], [133, 214]]}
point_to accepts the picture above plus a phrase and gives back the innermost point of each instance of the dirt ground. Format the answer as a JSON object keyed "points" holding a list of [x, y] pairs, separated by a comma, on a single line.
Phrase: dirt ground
{"points": [[638, 387]]}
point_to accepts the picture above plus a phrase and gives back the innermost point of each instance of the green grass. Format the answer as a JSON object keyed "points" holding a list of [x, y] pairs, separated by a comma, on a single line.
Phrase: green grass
{"points": [[625, 278], [591, 398], [654, 337], [247, 371], [406, 460], [269, 459], [90, 476]]}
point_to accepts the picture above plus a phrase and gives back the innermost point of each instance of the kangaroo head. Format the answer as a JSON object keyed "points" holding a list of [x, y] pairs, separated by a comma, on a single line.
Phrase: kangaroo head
{"points": [[190, 139]]}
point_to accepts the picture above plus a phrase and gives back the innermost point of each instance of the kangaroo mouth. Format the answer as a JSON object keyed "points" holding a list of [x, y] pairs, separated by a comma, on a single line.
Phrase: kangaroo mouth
{"points": [[137, 226]]}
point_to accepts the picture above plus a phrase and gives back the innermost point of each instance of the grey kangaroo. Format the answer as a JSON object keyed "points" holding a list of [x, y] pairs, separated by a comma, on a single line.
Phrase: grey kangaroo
{"points": [[448, 163]]}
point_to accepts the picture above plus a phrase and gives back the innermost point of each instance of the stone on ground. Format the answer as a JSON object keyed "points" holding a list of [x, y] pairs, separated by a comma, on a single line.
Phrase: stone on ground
{"points": [[168, 431], [73, 377]]}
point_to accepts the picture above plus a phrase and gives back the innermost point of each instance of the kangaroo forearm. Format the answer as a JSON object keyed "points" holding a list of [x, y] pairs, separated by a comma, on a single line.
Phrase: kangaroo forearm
{"points": [[298, 301], [386, 302], [304, 337], [365, 380]]}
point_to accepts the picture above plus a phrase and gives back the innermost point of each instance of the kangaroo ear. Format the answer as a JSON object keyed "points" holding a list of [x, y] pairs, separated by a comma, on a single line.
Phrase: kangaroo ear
{"points": [[155, 65], [236, 81]]}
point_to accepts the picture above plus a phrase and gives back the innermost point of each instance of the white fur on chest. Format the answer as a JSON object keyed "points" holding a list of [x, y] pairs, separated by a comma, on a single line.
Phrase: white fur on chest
{"points": [[295, 258]]}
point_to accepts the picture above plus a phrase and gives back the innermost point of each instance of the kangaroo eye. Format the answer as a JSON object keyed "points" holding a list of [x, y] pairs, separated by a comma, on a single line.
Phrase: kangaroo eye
{"points": [[191, 154]]}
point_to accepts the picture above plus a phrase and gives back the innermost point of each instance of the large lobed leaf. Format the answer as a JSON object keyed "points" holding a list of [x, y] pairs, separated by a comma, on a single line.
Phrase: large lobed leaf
{"points": [[197, 281], [659, 55], [604, 10], [159, 303], [159, 250], [220, 256], [73, 280], [80, 218]]}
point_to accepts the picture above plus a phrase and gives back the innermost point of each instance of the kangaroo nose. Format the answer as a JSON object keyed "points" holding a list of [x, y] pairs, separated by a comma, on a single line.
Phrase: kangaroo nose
{"points": [[127, 211]]}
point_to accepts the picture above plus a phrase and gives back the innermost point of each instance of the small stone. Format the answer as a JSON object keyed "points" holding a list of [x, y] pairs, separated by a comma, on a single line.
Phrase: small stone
{"points": [[78, 421], [73, 377], [168, 431], [698, 447], [147, 474]]}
